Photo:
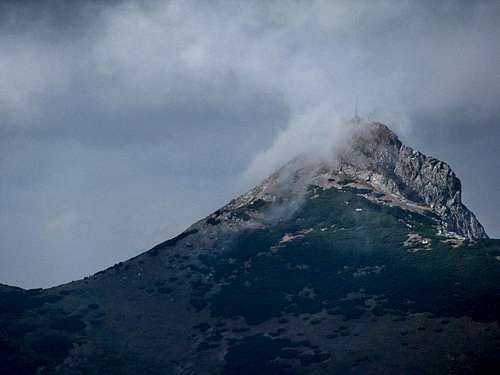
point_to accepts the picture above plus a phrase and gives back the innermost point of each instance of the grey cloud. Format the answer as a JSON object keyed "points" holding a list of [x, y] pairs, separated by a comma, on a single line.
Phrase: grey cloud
{"points": [[121, 123]]}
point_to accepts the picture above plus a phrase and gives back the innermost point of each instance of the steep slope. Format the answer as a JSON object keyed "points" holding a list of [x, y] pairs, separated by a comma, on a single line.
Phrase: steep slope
{"points": [[370, 265], [374, 157], [380, 157]]}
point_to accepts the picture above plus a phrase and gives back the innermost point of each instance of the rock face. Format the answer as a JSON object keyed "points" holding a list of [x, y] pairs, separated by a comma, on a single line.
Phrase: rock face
{"points": [[378, 156], [374, 157]]}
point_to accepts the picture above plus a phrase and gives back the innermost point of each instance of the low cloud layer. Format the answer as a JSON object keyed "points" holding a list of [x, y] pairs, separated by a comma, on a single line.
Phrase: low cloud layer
{"points": [[122, 123]]}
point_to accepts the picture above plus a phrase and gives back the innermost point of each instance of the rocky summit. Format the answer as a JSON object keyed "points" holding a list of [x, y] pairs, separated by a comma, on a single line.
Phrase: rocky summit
{"points": [[374, 158], [378, 157], [362, 262]]}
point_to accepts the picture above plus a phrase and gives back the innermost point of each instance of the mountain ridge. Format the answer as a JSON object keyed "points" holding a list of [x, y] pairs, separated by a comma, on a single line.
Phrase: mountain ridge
{"points": [[316, 270], [375, 157]]}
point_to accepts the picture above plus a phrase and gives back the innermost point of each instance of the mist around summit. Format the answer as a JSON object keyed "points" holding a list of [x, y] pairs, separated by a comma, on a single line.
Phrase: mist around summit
{"points": [[249, 187]]}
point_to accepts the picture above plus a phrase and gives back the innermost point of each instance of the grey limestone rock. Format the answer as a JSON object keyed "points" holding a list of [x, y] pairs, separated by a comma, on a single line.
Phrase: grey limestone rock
{"points": [[378, 156]]}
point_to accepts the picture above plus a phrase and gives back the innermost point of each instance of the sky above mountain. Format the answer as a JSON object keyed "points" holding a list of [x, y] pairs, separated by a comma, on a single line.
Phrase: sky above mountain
{"points": [[122, 123]]}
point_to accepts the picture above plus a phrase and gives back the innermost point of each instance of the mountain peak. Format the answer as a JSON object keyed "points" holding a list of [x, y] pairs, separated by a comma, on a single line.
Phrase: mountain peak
{"points": [[344, 265], [373, 157], [379, 157]]}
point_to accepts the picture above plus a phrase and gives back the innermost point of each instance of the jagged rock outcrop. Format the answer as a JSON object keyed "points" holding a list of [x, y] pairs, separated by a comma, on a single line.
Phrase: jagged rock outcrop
{"points": [[377, 156], [374, 156]]}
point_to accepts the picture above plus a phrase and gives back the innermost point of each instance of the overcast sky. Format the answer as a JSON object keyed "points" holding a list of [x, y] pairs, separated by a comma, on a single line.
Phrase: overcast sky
{"points": [[122, 123]]}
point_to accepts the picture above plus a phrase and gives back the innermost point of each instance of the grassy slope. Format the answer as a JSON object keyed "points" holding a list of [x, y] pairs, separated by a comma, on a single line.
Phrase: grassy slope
{"points": [[345, 296]]}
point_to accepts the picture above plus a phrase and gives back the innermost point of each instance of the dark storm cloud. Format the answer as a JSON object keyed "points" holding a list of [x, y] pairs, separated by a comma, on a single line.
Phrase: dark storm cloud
{"points": [[121, 123]]}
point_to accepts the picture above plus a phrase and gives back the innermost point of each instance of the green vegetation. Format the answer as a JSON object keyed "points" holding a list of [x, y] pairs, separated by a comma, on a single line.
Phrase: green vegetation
{"points": [[35, 331], [15, 302], [260, 354], [53, 346], [213, 221], [353, 245], [240, 213], [171, 242], [69, 324], [337, 268]]}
